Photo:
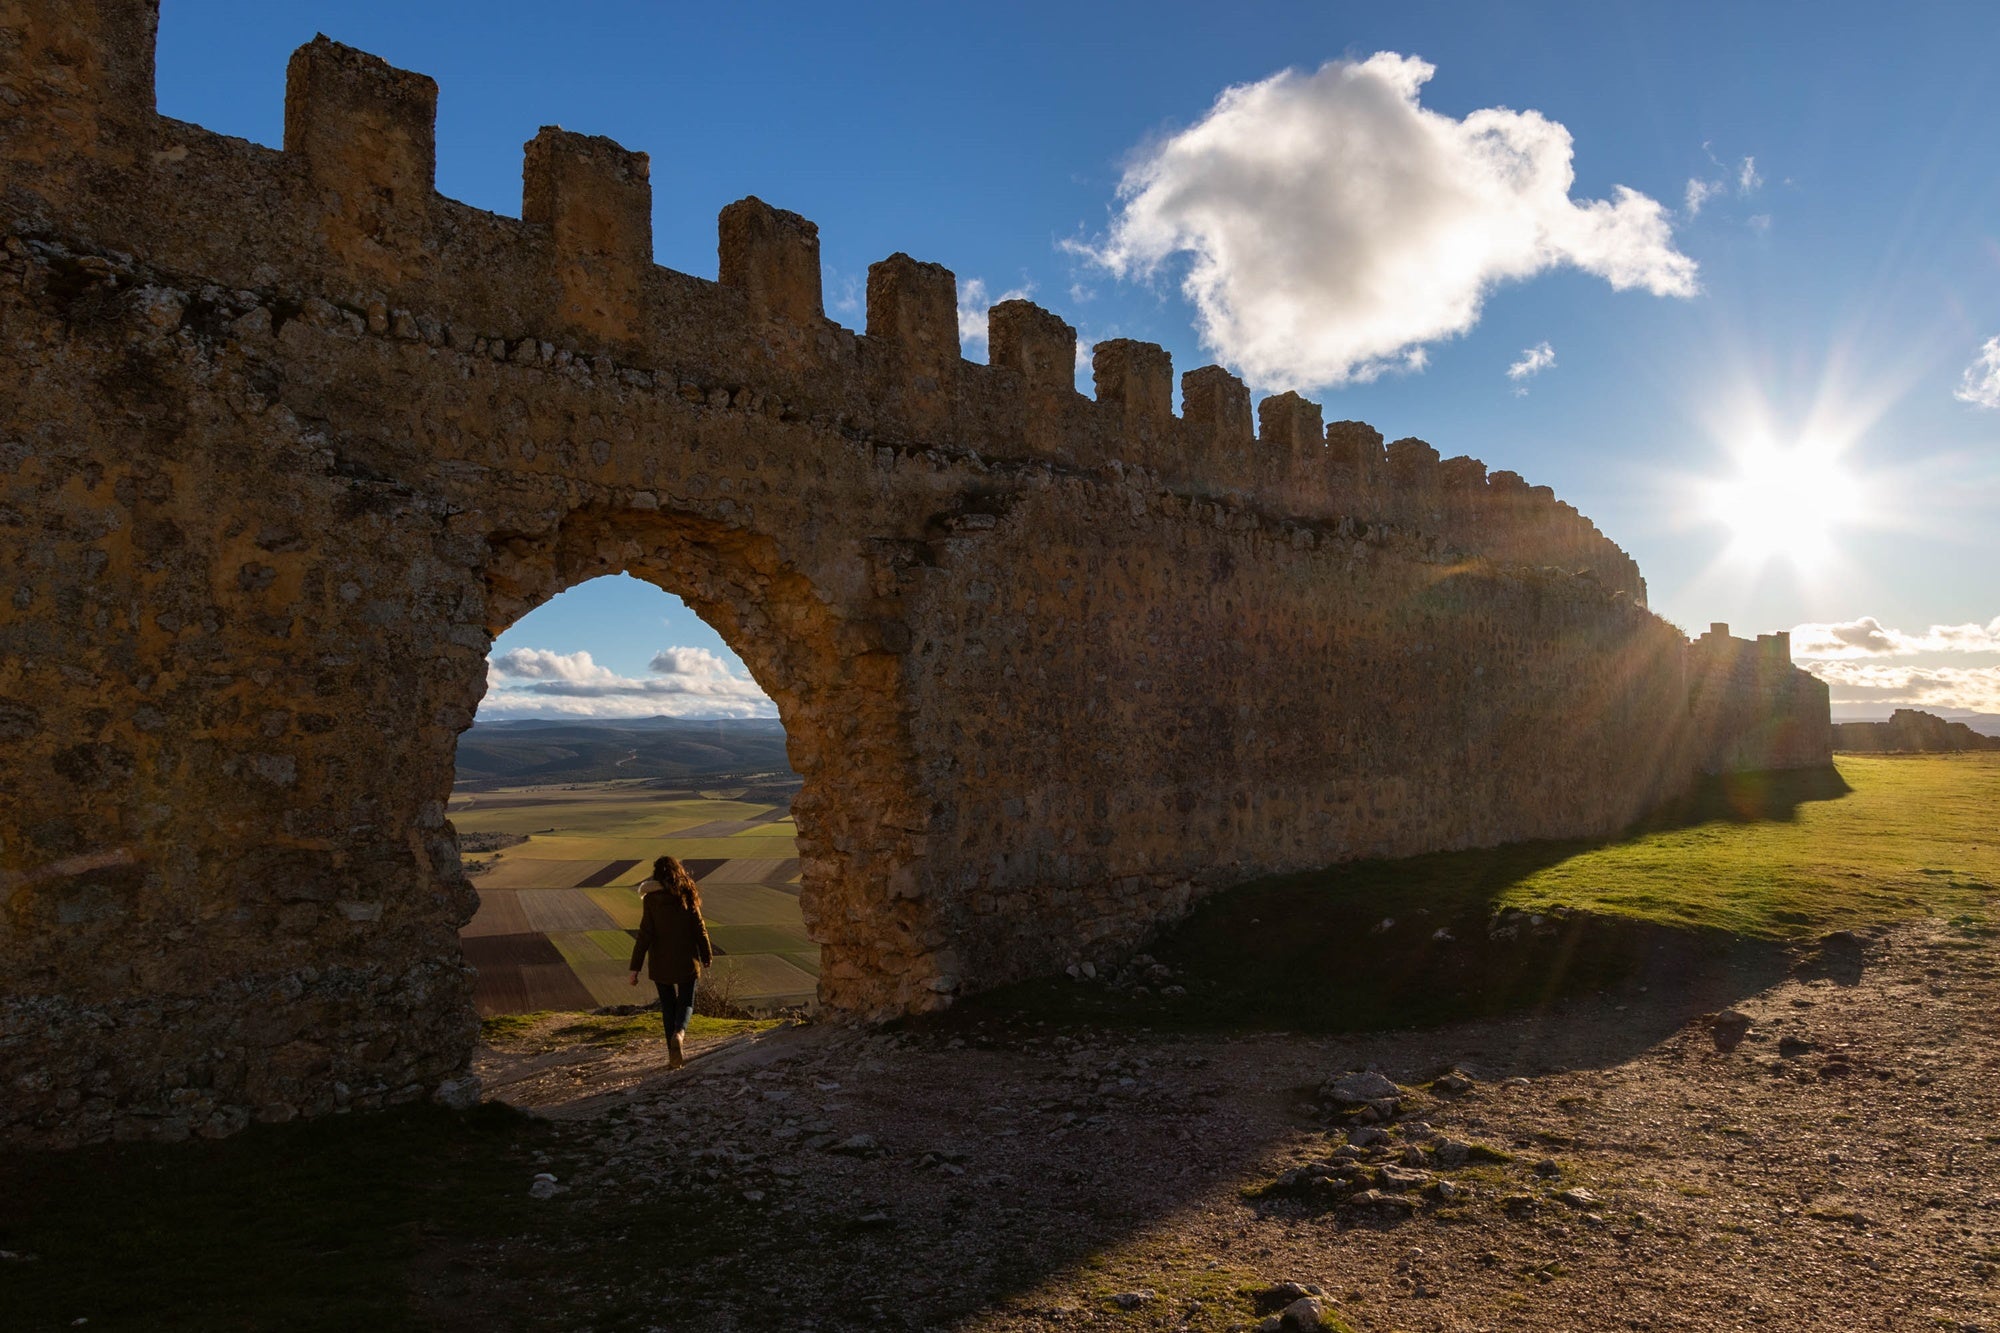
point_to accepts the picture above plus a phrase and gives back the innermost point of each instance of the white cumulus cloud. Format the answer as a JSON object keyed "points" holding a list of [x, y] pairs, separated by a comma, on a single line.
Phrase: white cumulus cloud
{"points": [[684, 682], [1333, 225], [541, 664], [1980, 385], [1534, 360]]}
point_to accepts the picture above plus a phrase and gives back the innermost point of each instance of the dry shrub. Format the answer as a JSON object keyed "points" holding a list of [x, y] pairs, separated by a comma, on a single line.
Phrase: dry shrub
{"points": [[715, 996]]}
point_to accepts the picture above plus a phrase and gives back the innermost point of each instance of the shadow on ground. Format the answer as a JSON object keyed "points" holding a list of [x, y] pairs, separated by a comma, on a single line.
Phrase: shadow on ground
{"points": [[1425, 941]]}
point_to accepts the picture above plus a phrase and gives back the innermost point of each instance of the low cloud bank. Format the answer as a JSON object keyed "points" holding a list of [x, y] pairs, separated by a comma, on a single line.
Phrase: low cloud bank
{"points": [[1869, 637], [1859, 661], [1333, 225], [1975, 689], [685, 682]]}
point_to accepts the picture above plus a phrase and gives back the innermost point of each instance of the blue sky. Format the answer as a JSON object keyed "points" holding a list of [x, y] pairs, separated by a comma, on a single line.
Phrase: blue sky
{"points": [[1810, 260]]}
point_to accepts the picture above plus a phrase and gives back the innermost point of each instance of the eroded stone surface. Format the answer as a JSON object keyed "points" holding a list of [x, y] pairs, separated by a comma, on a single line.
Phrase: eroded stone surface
{"points": [[287, 438]]}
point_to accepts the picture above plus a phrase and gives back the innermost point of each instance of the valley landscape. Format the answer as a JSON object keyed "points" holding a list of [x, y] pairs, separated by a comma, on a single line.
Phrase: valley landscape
{"points": [[556, 853]]}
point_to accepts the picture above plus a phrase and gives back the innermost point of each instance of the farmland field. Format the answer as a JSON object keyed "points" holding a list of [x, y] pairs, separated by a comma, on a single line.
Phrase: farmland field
{"points": [[556, 911]]}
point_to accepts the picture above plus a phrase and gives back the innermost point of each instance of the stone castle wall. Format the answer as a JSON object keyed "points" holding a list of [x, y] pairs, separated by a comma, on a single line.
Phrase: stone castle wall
{"points": [[286, 439], [1751, 708]]}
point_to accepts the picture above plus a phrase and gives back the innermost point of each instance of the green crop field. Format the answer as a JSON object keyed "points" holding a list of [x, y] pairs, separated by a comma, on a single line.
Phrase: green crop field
{"points": [[571, 883]]}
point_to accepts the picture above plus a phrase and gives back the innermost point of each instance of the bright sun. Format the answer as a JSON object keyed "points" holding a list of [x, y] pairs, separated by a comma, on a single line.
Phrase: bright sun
{"points": [[1784, 503]]}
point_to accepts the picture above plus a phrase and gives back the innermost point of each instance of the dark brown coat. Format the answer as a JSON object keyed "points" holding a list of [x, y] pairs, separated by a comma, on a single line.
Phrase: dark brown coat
{"points": [[673, 936]]}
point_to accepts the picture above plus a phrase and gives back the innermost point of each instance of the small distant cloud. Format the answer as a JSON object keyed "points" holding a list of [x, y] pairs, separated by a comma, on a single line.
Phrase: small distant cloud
{"points": [[1980, 385], [1534, 360], [846, 289], [973, 305], [685, 682], [1332, 225], [1760, 223], [1699, 192]]}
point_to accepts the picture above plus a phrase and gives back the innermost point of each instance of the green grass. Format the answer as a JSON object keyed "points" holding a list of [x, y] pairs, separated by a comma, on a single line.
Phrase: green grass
{"points": [[1707, 894], [1914, 836]]}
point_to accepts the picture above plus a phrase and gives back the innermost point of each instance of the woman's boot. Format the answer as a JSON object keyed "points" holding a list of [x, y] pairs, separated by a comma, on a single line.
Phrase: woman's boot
{"points": [[674, 1057]]}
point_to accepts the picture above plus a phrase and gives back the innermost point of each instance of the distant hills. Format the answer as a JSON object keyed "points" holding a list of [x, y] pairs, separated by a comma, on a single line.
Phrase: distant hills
{"points": [[534, 751]]}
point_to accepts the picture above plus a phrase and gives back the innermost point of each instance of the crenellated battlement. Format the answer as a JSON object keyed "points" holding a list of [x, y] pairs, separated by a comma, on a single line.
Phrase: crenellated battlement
{"points": [[348, 211]]}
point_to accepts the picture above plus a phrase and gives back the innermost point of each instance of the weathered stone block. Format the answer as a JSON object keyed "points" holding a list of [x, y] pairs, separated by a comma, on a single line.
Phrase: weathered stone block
{"points": [[596, 199], [773, 257]]}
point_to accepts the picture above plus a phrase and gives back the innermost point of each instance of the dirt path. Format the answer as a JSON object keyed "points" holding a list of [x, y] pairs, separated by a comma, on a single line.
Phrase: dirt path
{"points": [[1609, 1166], [543, 1070]]}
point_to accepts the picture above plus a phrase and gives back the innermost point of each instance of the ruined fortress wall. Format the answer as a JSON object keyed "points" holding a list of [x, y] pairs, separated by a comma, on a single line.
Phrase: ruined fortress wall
{"points": [[286, 439], [1751, 709]]}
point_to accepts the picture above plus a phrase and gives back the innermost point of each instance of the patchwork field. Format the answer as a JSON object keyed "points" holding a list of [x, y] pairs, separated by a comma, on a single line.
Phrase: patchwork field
{"points": [[556, 912]]}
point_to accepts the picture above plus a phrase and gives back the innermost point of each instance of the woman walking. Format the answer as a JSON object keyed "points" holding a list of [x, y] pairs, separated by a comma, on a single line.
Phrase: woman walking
{"points": [[671, 931]]}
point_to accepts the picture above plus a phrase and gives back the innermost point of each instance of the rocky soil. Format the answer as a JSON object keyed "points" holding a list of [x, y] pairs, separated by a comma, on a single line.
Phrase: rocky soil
{"points": [[1821, 1153]]}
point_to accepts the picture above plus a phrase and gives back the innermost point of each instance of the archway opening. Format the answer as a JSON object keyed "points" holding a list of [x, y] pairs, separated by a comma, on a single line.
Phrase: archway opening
{"points": [[618, 726]]}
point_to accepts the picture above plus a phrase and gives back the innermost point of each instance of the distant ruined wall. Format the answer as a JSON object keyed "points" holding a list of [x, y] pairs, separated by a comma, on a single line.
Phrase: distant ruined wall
{"points": [[1910, 731], [286, 438]]}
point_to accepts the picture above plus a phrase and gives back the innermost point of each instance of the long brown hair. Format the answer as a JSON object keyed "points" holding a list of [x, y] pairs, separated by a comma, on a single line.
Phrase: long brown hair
{"points": [[675, 879]]}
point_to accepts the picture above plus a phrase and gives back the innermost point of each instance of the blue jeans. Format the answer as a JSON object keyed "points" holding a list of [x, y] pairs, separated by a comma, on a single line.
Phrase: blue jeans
{"points": [[676, 1005]]}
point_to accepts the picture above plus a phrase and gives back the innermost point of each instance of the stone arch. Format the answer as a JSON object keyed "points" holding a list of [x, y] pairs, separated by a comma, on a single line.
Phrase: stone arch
{"points": [[841, 705]]}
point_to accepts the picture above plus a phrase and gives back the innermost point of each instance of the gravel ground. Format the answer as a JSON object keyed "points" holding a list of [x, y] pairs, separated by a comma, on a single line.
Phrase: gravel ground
{"points": [[1629, 1161]]}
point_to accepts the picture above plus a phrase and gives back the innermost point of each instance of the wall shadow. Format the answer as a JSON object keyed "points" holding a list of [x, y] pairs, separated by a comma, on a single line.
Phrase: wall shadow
{"points": [[1426, 941]]}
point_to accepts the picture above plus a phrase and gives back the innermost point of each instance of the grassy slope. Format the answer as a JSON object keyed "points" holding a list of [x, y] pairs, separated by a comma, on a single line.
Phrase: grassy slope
{"points": [[1916, 834]]}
